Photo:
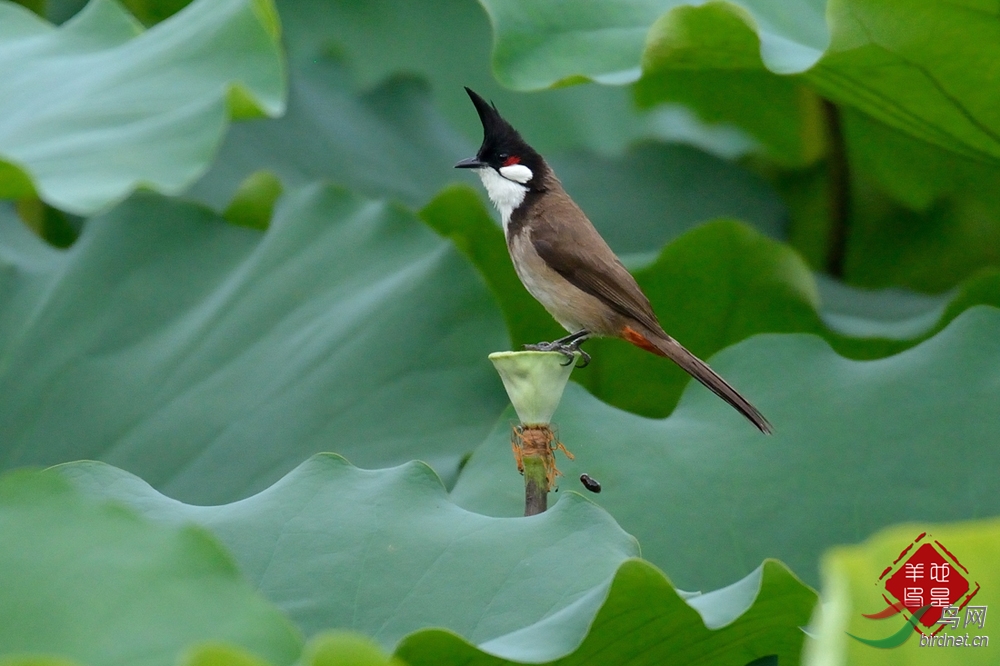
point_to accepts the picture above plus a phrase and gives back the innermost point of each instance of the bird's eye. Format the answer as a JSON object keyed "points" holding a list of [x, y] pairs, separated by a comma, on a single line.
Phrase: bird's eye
{"points": [[502, 157]]}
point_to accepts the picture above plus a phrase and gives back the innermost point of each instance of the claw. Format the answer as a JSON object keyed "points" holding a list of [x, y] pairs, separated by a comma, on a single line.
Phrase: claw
{"points": [[569, 351], [567, 346]]}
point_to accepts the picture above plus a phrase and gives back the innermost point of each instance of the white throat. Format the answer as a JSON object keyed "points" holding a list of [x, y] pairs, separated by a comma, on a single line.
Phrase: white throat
{"points": [[505, 194]]}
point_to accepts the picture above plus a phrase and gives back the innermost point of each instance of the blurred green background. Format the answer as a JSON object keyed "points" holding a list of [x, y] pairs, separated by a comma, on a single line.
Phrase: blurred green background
{"points": [[231, 238]]}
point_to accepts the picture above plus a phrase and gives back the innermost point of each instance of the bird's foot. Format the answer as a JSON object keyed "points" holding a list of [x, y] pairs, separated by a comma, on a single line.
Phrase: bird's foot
{"points": [[567, 349]]}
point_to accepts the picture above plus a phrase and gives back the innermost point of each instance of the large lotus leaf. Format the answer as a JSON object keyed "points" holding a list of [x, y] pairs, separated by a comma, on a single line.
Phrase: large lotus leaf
{"points": [[93, 582], [210, 359], [382, 570], [645, 621], [95, 108], [930, 217], [712, 287], [923, 215], [724, 282], [386, 553], [657, 191], [785, 117], [853, 586], [402, 135], [539, 44], [392, 142], [925, 71], [706, 59], [448, 44], [895, 314], [389, 142], [858, 445]]}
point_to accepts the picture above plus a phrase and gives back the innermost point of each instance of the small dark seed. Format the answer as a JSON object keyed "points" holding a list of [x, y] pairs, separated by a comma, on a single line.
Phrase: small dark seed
{"points": [[590, 484]]}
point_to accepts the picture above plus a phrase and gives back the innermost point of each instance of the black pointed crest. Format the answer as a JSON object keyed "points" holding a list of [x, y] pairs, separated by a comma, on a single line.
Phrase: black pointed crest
{"points": [[503, 146], [494, 126], [498, 134]]}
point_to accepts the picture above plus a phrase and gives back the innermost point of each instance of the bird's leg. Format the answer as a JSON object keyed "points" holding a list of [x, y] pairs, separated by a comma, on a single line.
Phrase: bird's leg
{"points": [[567, 346], [572, 343]]}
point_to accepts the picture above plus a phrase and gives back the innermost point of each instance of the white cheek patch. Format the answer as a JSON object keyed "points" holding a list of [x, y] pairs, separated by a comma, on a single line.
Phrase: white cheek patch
{"points": [[505, 194], [516, 172]]}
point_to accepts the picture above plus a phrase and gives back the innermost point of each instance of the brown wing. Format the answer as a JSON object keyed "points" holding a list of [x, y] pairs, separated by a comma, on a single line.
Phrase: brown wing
{"points": [[586, 261], [576, 251]]}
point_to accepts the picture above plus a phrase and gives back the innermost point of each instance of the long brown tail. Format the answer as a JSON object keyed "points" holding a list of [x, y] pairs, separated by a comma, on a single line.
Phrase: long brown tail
{"points": [[664, 345]]}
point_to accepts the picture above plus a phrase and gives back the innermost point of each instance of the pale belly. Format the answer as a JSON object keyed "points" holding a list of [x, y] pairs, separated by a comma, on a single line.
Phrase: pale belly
{"points": [[574, 309]]}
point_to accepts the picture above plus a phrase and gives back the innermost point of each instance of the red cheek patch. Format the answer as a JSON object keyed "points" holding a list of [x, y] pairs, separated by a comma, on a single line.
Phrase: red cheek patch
{"points": [[510, 161]]}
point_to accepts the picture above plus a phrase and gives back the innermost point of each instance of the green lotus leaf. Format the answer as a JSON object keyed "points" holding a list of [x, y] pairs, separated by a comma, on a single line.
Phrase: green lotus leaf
{"points": [[853, 586], [713, 287], [709, 60], [332, 648], [921, 154], [35, 660], [253, 204], [539, 44], [220, 654], [386, 553], [644, 620], [392, 142], [923, 72], [151, 12], [343, 648], [908, 70], [447, 44], [210, 359], [657, 191], [931, 217], [893, 314], [95, 108], [858, 445], [93, 582], [921, 136], [389, 142]]}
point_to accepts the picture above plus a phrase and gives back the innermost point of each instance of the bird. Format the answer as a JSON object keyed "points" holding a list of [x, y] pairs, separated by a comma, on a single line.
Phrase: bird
{"points": [[566, 265]]}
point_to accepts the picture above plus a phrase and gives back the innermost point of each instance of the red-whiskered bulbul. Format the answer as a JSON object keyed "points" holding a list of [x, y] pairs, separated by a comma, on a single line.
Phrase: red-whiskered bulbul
{"points": [[566, 265]]}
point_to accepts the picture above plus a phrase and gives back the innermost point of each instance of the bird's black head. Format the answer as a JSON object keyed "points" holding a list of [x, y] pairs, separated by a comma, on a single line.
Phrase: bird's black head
{"points": [[503, 149]]}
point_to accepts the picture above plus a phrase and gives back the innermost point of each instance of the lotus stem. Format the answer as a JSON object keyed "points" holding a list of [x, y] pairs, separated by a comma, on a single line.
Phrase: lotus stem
{"points": [[535, 382]]}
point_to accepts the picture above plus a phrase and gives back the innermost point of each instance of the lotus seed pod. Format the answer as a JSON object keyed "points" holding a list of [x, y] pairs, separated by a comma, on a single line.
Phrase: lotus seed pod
{"points": [[534, 381]]}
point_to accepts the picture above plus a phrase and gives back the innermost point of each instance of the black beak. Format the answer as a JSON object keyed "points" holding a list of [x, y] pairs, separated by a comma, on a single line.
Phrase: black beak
{"points": [[470, 163]]}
